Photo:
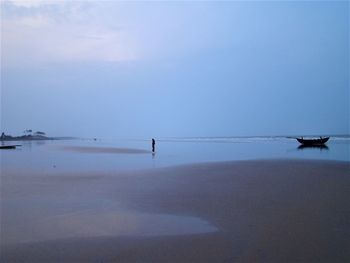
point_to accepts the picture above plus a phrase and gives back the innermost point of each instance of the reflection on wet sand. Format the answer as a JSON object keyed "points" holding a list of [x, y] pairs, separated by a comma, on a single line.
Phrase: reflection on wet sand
{"points": [[320, 147], [90, 149]]}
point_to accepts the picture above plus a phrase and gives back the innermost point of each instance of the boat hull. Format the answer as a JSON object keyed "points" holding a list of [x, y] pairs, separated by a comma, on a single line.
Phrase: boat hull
{"points": [[7, 147], [313, 142]]}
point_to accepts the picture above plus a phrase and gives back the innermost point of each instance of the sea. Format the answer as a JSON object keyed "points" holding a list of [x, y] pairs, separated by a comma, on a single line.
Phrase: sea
{"points": [[55, 156]]}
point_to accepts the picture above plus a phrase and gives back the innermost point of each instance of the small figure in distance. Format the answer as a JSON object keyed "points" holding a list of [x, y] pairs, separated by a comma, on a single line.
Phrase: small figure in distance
{"points": [[153, 145]]}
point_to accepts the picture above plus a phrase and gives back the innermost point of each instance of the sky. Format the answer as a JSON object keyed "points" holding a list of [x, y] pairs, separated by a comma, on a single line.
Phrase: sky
{"points": [[146, 69]]}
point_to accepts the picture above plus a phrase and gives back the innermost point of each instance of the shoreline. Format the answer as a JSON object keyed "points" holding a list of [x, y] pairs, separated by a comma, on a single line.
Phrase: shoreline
{"points": [[34, 138], [264, 211]]}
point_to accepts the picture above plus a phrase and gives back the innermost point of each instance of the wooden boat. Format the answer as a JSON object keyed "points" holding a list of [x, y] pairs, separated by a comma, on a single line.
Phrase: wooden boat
{"points": [[5, 147], [320, 141]]}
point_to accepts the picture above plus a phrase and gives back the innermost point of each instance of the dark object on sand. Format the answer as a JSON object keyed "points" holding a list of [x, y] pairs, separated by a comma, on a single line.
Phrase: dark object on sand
{"points": [[5, 147], [153, 145], [313, 142]]}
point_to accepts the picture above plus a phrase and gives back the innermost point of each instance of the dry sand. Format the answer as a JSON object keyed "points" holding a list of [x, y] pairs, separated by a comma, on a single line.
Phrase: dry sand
{"points": [[249, 211]]}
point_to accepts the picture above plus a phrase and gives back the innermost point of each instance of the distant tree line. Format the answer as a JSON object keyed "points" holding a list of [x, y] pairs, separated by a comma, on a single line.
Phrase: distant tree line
{"points": [[37, 133], [28, 135]]}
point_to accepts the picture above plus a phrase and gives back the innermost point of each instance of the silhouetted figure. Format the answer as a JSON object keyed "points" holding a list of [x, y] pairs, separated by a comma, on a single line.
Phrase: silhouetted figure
{"points": [[153, 145]]}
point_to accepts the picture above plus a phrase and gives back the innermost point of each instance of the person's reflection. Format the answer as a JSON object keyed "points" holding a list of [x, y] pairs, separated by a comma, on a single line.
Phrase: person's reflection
{"points": [[153, 160]]}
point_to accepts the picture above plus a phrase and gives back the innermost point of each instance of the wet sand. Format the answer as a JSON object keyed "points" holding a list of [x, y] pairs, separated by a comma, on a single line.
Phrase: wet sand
{"points": [[86, 149], [247, 211]]}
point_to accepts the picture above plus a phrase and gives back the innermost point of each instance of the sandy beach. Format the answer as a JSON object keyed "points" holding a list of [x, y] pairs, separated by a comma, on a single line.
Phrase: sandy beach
{"points": [[241, 211], [84, 149]]}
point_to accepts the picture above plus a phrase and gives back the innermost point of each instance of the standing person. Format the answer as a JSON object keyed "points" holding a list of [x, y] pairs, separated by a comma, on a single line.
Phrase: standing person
{"points": [[153, 145]]}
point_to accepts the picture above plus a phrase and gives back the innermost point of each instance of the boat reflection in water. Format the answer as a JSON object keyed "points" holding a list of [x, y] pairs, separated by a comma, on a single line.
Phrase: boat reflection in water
{"points": [[320, 147]]}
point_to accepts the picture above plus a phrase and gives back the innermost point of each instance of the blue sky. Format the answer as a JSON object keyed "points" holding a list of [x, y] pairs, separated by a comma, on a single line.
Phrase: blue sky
{"points": [[158, 69]]}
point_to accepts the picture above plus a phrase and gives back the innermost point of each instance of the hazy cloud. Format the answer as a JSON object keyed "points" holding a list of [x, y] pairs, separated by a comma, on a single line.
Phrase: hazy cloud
{"points": [[31, 3], [198, 68], [44, 35]]}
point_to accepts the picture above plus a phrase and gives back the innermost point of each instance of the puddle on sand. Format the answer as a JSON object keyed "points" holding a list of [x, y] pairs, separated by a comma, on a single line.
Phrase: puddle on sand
{"points": [[88, 223]]}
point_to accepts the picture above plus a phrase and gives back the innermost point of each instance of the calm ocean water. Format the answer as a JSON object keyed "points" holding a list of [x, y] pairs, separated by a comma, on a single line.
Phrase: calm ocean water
{"points": [[52, 156]]}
